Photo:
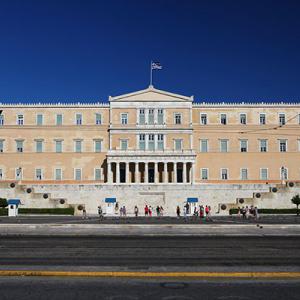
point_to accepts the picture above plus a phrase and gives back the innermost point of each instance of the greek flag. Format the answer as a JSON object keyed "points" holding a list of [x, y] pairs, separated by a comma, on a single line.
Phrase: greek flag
{"points": [[156, 66]]}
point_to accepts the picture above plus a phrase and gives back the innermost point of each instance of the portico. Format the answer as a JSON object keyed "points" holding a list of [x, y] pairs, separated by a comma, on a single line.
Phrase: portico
{"points": [[158, 169]]}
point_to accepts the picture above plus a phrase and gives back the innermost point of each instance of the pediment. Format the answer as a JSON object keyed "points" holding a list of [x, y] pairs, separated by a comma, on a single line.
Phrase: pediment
{"points": [[151, 94]]}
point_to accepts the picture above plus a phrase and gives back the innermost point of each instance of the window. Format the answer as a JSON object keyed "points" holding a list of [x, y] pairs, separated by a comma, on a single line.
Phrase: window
{"points": [[78, 146], [177, 117], [19, 144], [160, 116], [281, 119], [263, 145], [1, 174], [203, 119], [58, 146], [39, 119], [244, 174], [262, 119], [39, 146], [1, 120], [20, 120], [264, 174], [142, 144], [1, 145], [78, 119], [78, 174], [98, 119], [243, 145], [124, 119], [151, 116], [160, 142], [298, 119], [18, 173], [203, 145], [142, 116], [58, 174], [178, 145], [97, 174], [243, 119], [298, 145], [224, 145], [59, 119], [282, 145], [124, 144], [151, 142], [97, 144], [204, 174], [38, 174], [224, 174], [283, 173], [223, 119]]}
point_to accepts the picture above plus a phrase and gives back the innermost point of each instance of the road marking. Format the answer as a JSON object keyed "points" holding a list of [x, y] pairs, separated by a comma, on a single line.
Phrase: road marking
{"points": [[152, 274]]}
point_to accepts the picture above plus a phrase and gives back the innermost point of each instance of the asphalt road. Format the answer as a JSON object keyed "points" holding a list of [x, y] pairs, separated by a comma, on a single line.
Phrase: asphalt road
{"points": [[121, 289], [147, 252]]}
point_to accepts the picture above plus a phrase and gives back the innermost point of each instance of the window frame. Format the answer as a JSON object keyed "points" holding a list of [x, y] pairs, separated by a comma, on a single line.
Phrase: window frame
{"points": [[241, 148], [121, 144], [260, 146], [37, 117], [246, 118], [200, 146], [265, 118], [76, 119], [286, 145], [178, 114], [76, 174], [125, 119], [241, 174], [181, 144], [206, 119], [226, 119], [267, 173], [56, 118], [61, 174], [227, 145], [227, 173], [207, 173]]}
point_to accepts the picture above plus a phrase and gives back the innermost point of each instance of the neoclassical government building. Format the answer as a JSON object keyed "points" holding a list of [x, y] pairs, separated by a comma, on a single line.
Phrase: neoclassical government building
{"points": [[150, 147]]}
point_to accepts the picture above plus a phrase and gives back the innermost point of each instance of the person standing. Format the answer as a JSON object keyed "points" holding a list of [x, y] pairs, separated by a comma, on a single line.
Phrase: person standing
{"points": [[157, 211], [146, 210], [150, 211], [84, 213], [178, 211], [161, 211], [256, 213], [136, 211]]}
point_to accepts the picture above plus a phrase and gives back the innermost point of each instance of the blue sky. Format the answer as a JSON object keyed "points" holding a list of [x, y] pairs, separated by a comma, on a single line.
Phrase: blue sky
{"points": [[86, 50]]}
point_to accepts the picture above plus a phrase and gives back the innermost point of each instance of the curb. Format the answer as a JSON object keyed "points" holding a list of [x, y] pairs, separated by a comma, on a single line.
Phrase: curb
{"points": [[253, 275]]}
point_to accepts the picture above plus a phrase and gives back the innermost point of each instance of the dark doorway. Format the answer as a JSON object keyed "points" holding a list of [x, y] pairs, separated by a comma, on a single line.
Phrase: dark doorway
{"points": [[151, 175], [122, 175], [179, 175]]}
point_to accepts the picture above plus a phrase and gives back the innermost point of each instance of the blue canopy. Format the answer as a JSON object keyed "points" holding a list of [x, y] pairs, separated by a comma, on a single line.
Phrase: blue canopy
{"points": [[14, 201], [189, 200], [110, 200]]}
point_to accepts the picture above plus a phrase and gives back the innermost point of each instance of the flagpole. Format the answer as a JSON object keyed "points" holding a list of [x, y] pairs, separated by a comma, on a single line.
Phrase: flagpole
{"points": [[151, 73]]}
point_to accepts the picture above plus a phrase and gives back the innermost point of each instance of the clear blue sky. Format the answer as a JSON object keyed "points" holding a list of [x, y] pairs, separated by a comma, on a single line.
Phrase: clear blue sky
{"points": [[87, 50]]}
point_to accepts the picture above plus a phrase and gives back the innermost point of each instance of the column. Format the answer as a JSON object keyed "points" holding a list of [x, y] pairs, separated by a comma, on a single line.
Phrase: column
{"points": [[136, 170], [117, 172], [109, 173], [175, 172], [127, 179], [146, 173], [165, 177], [184, 172], [155, 172], [193, 173]]}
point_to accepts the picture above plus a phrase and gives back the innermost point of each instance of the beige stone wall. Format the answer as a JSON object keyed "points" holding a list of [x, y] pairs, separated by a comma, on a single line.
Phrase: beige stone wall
{"points": [[48, 160]]}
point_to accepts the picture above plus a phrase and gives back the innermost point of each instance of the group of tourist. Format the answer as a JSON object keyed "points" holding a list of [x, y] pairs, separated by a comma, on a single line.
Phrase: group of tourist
{"points": [[247, 212], [148, 210], [202, 212]]}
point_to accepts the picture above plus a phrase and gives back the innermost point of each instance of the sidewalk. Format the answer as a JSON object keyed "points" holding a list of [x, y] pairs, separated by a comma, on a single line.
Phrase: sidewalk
{"points": [[149, 230]]}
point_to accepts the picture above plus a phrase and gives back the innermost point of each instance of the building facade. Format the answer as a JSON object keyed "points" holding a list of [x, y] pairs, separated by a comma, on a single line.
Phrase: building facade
{"points": [[150, 147]]}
